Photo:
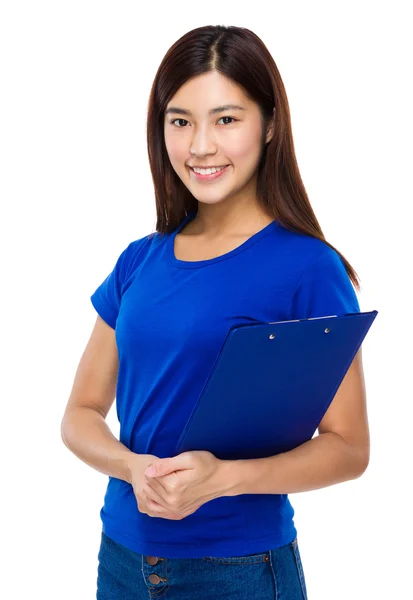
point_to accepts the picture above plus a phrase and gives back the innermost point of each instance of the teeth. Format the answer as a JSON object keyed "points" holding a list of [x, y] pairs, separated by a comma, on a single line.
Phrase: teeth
{"points": [[208, 171]]}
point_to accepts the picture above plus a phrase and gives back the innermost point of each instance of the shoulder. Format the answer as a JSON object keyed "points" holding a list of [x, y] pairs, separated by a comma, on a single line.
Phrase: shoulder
{"points": [[139, 245], [317, 276], [136, 251], [305, 251]]}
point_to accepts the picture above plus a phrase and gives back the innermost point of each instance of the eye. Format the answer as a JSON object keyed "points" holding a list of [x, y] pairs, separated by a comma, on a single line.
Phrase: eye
{"points": [[232, 119], [173, 121], [185, 121]]}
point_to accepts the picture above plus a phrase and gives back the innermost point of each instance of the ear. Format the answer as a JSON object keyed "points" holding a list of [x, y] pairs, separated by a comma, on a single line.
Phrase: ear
{"points": [[270, 128]]}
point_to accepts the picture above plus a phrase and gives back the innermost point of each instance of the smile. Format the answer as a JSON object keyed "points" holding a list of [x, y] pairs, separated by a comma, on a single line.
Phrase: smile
{"points": [[208, 176]]}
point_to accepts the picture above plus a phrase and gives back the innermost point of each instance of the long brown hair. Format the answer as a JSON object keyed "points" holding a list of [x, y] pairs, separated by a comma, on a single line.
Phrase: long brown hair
{"points": [[241, 56]]}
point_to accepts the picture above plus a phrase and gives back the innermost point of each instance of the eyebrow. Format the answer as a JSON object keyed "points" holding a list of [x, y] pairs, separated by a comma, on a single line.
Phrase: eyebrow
{"points": [[213, 111]]}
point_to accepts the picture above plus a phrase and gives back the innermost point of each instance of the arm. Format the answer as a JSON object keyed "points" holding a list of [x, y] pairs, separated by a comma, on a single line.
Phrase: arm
{"points": [[86, 433], [340, 452], [83, 428]]}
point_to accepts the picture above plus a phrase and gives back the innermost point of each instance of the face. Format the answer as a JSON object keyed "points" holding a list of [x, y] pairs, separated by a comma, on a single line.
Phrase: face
{"points": [[196, 136]]}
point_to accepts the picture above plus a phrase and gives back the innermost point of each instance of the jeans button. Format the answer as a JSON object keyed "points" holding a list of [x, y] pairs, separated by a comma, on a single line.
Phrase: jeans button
{"points": [[152, 560]]}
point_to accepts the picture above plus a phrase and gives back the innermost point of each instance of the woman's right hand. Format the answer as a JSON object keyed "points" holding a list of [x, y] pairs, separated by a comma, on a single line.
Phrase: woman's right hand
{"points": [[138, 465]]}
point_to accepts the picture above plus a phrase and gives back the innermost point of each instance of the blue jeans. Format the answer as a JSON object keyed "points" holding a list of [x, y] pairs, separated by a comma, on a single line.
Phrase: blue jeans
{"points": [[127, 575]]}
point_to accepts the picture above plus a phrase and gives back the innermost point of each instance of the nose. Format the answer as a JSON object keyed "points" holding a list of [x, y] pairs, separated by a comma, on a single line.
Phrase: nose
{"points": [[203, 143]]}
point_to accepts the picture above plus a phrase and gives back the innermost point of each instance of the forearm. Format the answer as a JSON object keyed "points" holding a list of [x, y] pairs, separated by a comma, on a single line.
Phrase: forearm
{"points": [[320, 462], [85, 432]]}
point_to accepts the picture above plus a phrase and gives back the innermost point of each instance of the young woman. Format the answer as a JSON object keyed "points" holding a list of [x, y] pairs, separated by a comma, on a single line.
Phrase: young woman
{"points": [[236, 241]]}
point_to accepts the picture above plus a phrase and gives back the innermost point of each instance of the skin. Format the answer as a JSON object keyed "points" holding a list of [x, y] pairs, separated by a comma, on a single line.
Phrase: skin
{"points": [[227, 206]]}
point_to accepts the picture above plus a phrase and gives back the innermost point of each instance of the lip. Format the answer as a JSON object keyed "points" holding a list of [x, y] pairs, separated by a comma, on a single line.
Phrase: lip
{"points": [[210, 177]]}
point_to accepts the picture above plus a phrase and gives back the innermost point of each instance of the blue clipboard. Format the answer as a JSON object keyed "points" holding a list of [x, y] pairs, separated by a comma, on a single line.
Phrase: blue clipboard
{"points": [[271, 385]]}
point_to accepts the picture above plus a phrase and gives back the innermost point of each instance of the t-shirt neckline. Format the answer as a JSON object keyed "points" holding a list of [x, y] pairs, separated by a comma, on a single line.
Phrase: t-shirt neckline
{"points": [[186, 264]]}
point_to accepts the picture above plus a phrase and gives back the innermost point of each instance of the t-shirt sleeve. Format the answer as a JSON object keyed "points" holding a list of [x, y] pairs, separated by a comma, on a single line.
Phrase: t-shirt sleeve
{"points": [[107, 297], [324, 289]]}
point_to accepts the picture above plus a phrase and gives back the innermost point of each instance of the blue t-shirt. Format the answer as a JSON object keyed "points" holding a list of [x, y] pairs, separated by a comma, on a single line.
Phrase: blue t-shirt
{"points": [[171, 318]]}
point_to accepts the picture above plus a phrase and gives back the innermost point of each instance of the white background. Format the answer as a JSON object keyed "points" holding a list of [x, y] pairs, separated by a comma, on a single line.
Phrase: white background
{"points": [[76, 188]]}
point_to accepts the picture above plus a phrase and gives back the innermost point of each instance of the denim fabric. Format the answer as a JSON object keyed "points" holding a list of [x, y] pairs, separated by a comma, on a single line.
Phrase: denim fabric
{"points": [[126, 575]]}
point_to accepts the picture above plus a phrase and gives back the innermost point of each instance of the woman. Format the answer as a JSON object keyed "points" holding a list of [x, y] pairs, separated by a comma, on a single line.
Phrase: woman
{"points": [[234, 244]]}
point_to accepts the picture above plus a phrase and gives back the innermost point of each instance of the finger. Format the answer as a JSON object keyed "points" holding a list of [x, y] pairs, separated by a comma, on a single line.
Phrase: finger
{"points": [[166, 466], [164, 486], [156, 497], [158, 483], [156, 510], [188, 511], [159, 505], [142, 507], [150, 508], [159, 494]]}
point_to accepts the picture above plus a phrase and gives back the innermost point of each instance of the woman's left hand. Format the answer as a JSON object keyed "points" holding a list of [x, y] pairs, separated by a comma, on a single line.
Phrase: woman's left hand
{"points": [[179, 485]]}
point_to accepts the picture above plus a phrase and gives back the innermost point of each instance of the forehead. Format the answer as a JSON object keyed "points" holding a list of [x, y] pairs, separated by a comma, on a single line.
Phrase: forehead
{"points": [[206, 93]]}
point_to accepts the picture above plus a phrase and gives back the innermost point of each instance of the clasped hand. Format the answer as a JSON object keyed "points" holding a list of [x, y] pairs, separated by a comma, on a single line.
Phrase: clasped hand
{"points": [[176, 487]]}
